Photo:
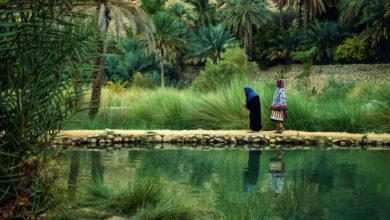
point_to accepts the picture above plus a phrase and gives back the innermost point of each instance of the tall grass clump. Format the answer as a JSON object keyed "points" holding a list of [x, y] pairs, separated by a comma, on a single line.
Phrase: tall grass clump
{"points": [[164, 108], [149, 198], [340, 106]]}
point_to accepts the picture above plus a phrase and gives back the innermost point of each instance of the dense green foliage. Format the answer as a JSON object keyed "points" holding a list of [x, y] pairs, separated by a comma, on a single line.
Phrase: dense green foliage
{"points": [[40, 50], [234, 64], [352, 50], [210, 42]]}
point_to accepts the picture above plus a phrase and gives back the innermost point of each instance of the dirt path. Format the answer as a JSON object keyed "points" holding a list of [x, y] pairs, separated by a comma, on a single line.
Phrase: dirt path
{"points": [[303, 134]]}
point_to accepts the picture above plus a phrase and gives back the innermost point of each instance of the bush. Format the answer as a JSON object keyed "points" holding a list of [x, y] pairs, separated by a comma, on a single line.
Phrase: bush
{"points": [[143, 81], [234, 63], [352, 50], [117, 87]]}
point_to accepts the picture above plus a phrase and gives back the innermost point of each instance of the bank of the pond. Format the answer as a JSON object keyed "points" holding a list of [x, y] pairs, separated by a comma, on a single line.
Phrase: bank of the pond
{"points": [[217, 138]]}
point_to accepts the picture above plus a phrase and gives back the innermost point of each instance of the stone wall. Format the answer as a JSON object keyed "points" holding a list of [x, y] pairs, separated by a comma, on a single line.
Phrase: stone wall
{"points": [[357, 73], [118, 140], [321, 74]]}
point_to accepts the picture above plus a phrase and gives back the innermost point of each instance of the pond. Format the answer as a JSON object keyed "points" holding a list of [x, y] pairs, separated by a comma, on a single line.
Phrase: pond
{"points": [[246, 184]]}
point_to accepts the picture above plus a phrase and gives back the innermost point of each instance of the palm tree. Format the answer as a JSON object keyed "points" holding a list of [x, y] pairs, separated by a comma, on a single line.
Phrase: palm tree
{"points": [[38, 47], [183, 14], [371, 16], [206, 12], [123, 14], [242, 15], [169, 39], [210, 42], [324, 36], [153, 6]]}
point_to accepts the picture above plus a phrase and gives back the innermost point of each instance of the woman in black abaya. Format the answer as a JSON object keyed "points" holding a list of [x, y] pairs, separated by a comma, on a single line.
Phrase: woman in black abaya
{"points": [[254, 107]]}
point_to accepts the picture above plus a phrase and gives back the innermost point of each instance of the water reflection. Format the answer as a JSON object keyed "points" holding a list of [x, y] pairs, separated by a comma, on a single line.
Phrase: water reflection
{"points": [[276, 172], [251, 174], [73, 174], [97, 170], [315, 185]]}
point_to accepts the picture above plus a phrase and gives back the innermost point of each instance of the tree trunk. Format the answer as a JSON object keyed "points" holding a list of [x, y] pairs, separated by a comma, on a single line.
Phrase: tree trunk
{"points": [[305, 22], [250, 48], [97, 76], [300, 16], [97, 84], [180, 65], [78, 88], [162, 68], [281, 16]]}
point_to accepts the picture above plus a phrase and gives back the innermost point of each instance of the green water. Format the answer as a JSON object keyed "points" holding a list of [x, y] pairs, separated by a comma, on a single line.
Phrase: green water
{"points": [[302, 184]]}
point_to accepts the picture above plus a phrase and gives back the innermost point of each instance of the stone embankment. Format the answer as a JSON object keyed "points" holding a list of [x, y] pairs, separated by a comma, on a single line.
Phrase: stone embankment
{"points": [[212, 138]]}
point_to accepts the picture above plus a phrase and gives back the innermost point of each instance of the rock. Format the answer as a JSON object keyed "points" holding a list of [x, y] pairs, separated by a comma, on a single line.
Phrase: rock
{"points": [[167, 139], [238, 138], [256, 140], [93, 140], [158, 138], [232, 140], [219, 145], [342, 143], [117, 146], [110, 136], [102, 141], [118, 139], [246, 138], [272, 141], [83, 140], [102, 136], [219, 139]]}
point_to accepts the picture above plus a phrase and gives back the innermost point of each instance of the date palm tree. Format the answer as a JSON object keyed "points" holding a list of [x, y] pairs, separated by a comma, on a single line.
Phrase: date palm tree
{"points": [[371, 16], [169, 38], [183, 13], [123, 14], [206, 12], [241, 16], [210, 42], [38, 48]]}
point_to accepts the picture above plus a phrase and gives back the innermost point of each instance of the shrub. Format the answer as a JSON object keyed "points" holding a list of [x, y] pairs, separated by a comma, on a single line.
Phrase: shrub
{"points": [[352, 50], [117, 87], [234, 63], [143, 80]]}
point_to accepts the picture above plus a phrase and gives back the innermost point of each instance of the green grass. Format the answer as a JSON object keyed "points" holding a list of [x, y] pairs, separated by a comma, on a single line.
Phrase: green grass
{"points": [[349, 108], [149, 198]]}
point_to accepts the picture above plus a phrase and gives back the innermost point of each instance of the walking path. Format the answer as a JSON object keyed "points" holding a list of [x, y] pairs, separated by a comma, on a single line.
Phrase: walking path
{"points": [[212, 137]]}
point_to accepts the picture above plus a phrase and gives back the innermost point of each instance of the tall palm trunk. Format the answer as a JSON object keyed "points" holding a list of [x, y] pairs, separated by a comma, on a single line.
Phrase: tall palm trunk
{"points": [[281, 16], [305, 21], [250, 47], [78, 87], [180, 65], [97, 76], [300, 14], [162, 68]]}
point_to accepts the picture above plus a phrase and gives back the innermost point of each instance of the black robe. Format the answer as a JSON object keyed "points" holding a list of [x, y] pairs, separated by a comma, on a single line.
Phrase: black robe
{"points": [[254, 108]]}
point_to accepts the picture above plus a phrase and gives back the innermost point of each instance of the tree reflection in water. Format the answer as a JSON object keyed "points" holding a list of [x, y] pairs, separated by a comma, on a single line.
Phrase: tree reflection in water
{"points": [[97, 170], [73, 174]]}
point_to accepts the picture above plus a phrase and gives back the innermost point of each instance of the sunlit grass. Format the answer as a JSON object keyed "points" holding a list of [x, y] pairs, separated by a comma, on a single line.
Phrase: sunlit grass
{"points": [[348, 108]]}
